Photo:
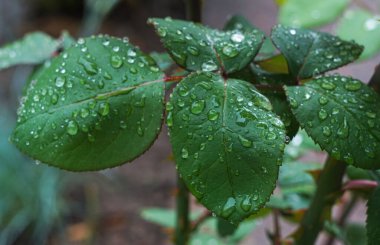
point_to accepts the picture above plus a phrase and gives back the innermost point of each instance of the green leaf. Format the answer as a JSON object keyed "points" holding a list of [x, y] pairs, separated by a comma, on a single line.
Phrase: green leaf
{"points": [[197, 47], [240, 23], [98, 105], [225, 228], [310, 53], [363, 27], [227, 143], [163, 60], [373, 218], [306, 13], [164, 217], [33, 48], [277, 97], [342, 115]]}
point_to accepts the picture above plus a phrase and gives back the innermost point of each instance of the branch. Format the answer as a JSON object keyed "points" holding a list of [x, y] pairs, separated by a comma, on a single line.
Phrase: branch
{"points": [[329, 187]]}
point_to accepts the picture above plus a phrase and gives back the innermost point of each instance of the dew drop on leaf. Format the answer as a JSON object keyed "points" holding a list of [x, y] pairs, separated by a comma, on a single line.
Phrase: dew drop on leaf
{"points": [[72, 128], [197, 107], [229, 207], [322, 114], [212, 115], [246, 204], [116, 61], [353, 85], [245, 142], [184, 153]]}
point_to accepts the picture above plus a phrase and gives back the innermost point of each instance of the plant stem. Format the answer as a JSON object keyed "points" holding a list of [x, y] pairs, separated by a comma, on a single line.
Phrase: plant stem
{"points": [[182, 224], [194, 10], [183, 227], [346, 210], [374, 82], [328, 187], [277, 228]]}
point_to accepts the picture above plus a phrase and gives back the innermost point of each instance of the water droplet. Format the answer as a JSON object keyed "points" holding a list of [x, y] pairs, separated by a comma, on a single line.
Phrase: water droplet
{"points": [[343, 130], [229, 207], [370, 114], [323, 100], [161, 32], [104, 108], [72, 128], [326, 131], [245, 142], [353, 85], [237, 37], [123, 125], [322, 114], [193, 50], [348, 158], [116, 61], [328, 85], [140, 131], [60, 82], [212, 115], [335, 153], [246, 204], [169, 119], [197, 107], [90, 67], [271, 136], [293, 103], [184, 153], [209, 66], [292, 32], [90, 137], [230, 51], [84, 113]]}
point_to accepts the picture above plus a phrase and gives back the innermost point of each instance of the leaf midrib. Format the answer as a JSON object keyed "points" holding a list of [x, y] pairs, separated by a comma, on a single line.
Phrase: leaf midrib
{"points": [[103, 96]]}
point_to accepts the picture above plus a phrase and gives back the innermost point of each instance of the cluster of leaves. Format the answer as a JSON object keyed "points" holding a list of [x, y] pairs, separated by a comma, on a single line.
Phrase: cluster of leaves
{"points": [[100, 103], [359, 23]]}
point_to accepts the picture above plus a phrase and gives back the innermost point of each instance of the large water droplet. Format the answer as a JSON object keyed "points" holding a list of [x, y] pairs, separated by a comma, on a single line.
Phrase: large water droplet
{"points": [[246, 204], [72, 128], [328, 85], [116, 61], [209, 66], [212, 115], [323, 100], [90, 67], [60, 82], [104, 108], [237, 37], [322, 114], [197, 107], [353, 85], [229, 207], [245, 142]]}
